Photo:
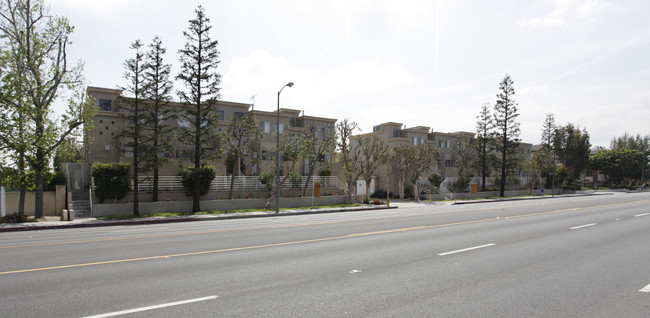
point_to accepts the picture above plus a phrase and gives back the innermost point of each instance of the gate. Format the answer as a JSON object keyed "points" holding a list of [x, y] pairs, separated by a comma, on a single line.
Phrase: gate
{"points": [[77, 176]]}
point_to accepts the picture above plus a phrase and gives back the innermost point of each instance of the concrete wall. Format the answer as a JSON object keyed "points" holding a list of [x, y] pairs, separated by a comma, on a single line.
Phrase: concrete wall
{"points": [[53, 202], [111, 209], [491, 194]]}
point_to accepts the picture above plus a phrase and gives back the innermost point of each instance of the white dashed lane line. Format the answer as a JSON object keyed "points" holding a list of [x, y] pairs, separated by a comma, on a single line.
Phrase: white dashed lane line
{"points": [[466, 249], [645, 289], [131, 311], [640, 215], [582, 226]]}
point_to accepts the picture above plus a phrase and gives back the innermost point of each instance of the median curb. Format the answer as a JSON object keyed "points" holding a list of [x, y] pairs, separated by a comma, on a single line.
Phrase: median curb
{"points": [[559, 196], [83, 223]]}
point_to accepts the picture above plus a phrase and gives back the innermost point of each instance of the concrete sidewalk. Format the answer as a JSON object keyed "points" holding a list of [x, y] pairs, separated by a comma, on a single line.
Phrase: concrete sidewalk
{"points": [[93, 222], [397, 203]]}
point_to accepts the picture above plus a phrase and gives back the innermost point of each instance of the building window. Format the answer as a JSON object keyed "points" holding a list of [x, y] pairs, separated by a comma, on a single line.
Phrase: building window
{"points": [[376, 128], [448, 163], [292, 122], [105, 105], [395, 132], [239, 114], [220, 115], [263, 154], [275, 127]]}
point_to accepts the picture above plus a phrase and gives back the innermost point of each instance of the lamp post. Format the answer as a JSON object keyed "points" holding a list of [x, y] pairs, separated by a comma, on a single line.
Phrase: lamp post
{"points": [[277, 153]]}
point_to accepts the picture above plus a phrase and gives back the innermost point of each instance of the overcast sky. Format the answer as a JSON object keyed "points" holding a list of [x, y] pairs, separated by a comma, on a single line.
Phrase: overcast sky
{"points": [[420, 63]]}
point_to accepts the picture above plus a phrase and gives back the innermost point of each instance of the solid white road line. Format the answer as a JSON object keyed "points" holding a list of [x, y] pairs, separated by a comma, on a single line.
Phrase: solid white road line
{"points": [[130, 311], [645, 289], [642, 214], [466, 249], [581, 226]]}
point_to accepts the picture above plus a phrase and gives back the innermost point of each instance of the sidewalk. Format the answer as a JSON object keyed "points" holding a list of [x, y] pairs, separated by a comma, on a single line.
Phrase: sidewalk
{"points": [[92, 222]]}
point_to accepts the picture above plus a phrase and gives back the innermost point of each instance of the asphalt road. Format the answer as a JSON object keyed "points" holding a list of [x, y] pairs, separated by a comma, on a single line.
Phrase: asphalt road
{"points": [[562, 257]]}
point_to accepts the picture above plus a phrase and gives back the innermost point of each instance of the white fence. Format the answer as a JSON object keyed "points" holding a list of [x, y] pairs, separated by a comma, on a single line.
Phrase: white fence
{"points": [[173, 183]]}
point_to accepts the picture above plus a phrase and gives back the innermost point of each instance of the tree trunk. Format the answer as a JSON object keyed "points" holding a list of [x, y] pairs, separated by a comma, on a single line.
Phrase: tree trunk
{"points": [[416, 194], [38, 195], [154, 195], [304, 190], [232, 177]]}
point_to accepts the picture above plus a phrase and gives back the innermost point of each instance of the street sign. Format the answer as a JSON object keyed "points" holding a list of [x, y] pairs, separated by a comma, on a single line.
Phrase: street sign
{"points": [[474, 188], [317, 189]]}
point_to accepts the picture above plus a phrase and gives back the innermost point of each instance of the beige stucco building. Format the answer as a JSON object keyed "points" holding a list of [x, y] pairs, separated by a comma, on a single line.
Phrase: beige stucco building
{"points": [[105, 146], [395, 134]]}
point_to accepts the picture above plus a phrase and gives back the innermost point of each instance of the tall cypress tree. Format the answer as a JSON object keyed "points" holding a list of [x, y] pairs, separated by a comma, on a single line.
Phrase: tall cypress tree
{"points": [[506, 129], [484, 127], [132, 110], [199, 60], [159, 115]]}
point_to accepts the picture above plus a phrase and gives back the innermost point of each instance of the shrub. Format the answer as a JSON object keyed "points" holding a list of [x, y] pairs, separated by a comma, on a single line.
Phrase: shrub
{"points": [[325, 172], [435, 179], [206, 175], [112, 180], [16, 218], [380, 194], [267, 179], [295, 179]]}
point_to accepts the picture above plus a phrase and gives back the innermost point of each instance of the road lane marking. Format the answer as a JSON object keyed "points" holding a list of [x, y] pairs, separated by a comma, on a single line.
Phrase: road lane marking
{"points": [[642, 214], [272, 244], [645, 289], [307, 224], [466, 249], [131, 311], [582, 226]]}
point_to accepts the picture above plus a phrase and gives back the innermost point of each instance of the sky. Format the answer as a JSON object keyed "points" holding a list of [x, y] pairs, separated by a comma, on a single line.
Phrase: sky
{"points": [[420, 63]]}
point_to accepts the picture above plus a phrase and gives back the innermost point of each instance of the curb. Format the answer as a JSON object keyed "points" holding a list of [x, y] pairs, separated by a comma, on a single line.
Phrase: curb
{"points": [[160, 220], [530, 198]]}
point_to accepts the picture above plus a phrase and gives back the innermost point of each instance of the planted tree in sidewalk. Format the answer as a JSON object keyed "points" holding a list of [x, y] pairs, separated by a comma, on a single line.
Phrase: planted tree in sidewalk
{"points": [[483, 143], [571, 146], [242, 132], [199, 60], [291, 151], [464, 155], [316, 146], [132, 109], [415, 162], [506, 130], [160, 115], [350, 154], [548, 135], [34, 50], [373, 154]]}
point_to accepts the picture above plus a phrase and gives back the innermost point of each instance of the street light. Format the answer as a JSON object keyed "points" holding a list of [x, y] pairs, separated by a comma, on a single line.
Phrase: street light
{"points": [[277, 154]]}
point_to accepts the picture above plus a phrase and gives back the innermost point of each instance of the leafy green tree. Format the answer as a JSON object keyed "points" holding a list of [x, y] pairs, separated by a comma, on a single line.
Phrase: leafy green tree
{"points": [[35, 55], [316, 146], [160, 115], [242, 132], [464, 155], [506, 130], [619, 165], [350, 154], [536, 166], [571, 146], [373, 154], [638, 142], [483, 143], [68, 151], [548, 135], [414, 162], [132, 109], [199, 60]]}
